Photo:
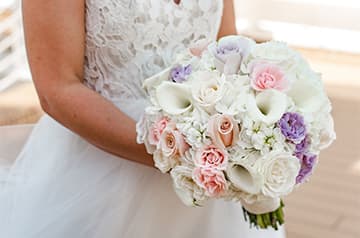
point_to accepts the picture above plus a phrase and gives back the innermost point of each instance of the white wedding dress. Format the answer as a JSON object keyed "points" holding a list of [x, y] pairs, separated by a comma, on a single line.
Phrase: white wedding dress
{"points": [[60, 186]]}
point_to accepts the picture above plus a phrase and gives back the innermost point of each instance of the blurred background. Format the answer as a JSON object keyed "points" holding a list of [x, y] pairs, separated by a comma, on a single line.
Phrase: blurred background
{"points": [[326, 32]]}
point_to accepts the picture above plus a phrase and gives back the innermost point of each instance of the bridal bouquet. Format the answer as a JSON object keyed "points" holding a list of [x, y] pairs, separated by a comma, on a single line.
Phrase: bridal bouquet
{"points": [[238, 121]]}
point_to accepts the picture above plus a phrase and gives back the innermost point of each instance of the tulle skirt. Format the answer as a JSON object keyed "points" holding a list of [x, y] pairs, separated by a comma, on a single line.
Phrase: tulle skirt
{"points": [[58, 185]]}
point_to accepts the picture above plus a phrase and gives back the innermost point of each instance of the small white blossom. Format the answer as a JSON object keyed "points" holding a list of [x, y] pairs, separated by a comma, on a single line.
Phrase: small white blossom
{"points": [[194, 131]]}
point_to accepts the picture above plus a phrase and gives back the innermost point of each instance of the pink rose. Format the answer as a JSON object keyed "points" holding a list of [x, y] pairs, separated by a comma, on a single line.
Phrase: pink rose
{"points": [[211, 157], [199, 47], [156, 130], [212, 180], [223, 130], [268, 76], [172, 143]]}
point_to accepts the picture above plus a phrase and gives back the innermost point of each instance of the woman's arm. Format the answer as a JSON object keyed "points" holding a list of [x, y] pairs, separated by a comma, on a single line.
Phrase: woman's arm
{"points": [[55, 40], [228, 26]]}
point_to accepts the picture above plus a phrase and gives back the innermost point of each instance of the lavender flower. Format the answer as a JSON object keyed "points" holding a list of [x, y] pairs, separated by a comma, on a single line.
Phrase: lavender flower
{"points": [[303, 146], [231, 48], [229, 53], [308, 162], [180, 73], [292, 126]]}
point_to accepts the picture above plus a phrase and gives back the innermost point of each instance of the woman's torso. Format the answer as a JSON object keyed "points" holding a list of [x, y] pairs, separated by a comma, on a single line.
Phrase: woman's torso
{"points": [[130, 40]]}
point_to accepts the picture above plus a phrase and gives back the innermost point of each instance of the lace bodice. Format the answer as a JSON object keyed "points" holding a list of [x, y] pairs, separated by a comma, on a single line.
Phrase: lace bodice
{"points": [[130, 40]]}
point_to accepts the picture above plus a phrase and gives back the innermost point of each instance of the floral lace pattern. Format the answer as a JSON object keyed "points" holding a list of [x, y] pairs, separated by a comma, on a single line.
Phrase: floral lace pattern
{"points": [[130, 40]]}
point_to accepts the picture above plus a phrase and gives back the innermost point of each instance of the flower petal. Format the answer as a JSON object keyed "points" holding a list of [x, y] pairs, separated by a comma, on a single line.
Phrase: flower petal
{"points": [[244, 179], [308, 95], [174, 98], [262, 206], [268, 106]]}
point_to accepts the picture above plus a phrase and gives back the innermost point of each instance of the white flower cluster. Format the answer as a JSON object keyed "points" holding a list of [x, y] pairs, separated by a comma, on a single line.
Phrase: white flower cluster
{"points": [[237, 120]]}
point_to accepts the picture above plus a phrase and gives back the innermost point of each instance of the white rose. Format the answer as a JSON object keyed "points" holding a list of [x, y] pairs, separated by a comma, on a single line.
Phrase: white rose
{"points": [[164, 163], [207, 89], [280, 170], [322, 132], [327, 134], [186, 189], [143, 127], [267, 106]]}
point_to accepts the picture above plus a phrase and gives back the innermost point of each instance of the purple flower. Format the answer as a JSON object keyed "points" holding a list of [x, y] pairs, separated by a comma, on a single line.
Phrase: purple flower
{"points": [[308, 162], [303, 146], [229, 53], [292, 126], [231, 48], [180, 73]]}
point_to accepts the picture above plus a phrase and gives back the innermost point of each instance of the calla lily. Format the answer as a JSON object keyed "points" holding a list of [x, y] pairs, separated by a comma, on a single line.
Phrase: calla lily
{"points": [[244, 178], [308, 95], [174, 98], [267, 106], [151, 83], [262, 206]]}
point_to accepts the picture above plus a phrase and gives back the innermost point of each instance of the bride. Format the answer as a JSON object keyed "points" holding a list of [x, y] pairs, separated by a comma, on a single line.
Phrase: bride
{"points": [[81, 173]]}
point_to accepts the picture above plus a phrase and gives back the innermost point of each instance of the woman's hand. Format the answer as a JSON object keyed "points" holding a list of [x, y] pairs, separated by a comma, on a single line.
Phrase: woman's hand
{"points": [[55, 40], [228, 23]]}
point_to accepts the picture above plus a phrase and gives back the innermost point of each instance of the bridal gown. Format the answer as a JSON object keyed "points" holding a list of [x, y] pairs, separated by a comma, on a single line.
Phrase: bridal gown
{"points": [[57, 185]]}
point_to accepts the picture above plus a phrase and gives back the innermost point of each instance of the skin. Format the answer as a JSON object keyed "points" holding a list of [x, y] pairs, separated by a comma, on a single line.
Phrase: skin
{"points": [[55, 41]]}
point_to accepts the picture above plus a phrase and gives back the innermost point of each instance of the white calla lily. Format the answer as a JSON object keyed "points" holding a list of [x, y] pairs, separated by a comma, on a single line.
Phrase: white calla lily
{"points": [[267, 106], [174, 98], [243, 178], [151, 83]]}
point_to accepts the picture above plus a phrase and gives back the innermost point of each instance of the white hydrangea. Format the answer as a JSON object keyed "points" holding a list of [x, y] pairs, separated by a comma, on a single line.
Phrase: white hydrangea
{"points": [[237, 90], [280, 53]]}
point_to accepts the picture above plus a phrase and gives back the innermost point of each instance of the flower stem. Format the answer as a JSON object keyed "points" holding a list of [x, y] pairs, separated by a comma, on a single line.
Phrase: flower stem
{"points": [[263, 221]]}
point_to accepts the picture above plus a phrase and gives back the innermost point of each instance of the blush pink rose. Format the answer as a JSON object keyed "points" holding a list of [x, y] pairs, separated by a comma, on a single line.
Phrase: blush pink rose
{"points": [[156, 130], [172, 143], [211, 157], [268, 76], [223, 130], [212, 180], [199, 47]]}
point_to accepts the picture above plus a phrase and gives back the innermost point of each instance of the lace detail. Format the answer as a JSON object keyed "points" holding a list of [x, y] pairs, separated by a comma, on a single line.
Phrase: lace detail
{"points": [[130, 40]]}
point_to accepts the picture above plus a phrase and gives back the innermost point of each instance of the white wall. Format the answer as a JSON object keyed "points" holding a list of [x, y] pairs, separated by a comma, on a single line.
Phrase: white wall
{"points": [[333, 24]]}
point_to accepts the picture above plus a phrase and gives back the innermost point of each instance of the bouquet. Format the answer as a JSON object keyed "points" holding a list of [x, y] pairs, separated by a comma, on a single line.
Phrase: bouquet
{"points": [[239, 121]]}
